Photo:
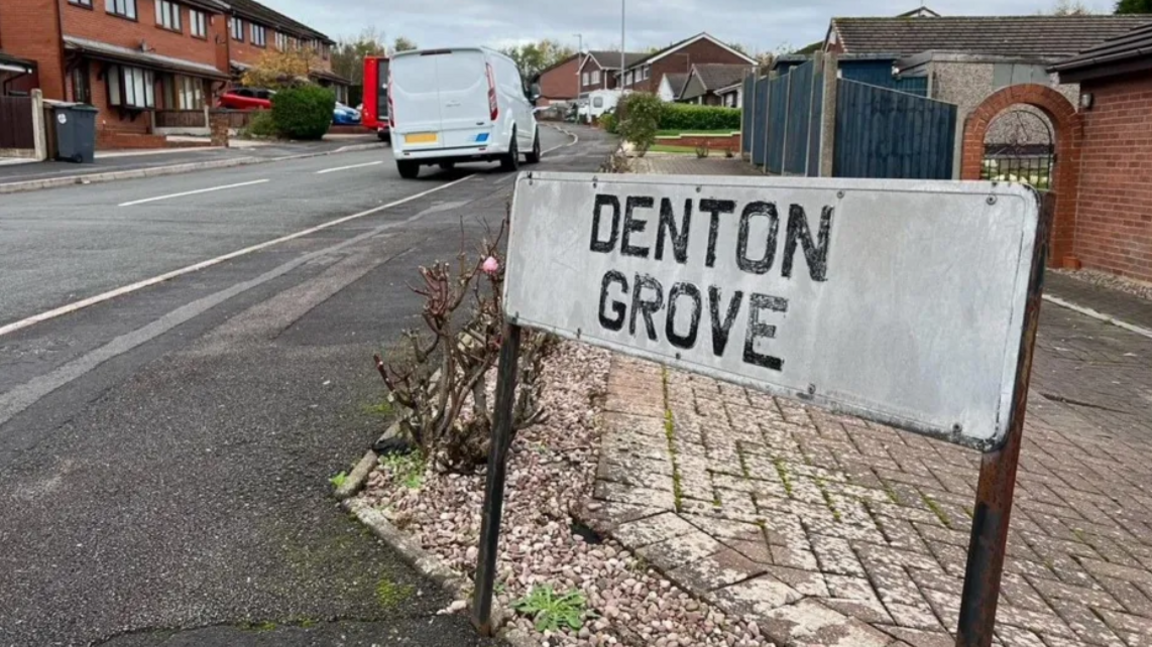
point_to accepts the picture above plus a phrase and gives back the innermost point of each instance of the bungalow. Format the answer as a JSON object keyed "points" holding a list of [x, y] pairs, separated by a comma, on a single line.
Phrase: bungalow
{"points": [[646, 73], [715, 84]]}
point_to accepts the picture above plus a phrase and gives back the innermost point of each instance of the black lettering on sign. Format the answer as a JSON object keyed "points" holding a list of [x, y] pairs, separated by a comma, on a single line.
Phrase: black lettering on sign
{"points": [[757, 329], [715, 207], [646, 307], [636, 225], [693, 293], [678, 235], [761, 266], [720, 329], [605, 246], [616, 322], [815, 253]]}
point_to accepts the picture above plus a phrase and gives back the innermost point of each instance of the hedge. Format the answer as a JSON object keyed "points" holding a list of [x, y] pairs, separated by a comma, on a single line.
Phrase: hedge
{"points": [[682, 116], [304, 112]]}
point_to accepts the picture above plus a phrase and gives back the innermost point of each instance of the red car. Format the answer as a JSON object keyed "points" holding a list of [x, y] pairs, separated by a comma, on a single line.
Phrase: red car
{"points": [[246, 99]]}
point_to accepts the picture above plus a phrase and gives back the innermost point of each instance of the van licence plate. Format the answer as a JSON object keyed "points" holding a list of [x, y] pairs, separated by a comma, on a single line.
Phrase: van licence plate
{"points": [[420, 138]]}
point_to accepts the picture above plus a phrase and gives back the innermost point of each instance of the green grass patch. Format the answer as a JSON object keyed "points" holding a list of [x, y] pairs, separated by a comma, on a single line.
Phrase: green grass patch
{"points": [[683, 150], [339, 480], [382, 409], [407, 469], [551, 611]]}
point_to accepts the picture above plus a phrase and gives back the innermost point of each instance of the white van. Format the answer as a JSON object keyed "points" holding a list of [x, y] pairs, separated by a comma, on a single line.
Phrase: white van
{"points": [[458, 105], [600, 102]]}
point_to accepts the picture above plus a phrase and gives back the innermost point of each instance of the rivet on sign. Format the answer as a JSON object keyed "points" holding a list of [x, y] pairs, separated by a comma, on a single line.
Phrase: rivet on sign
{"points": [[840, 194], [677, 355], [957, 428], [697, 189], [578, 333], [811, 389], [991, 199]]}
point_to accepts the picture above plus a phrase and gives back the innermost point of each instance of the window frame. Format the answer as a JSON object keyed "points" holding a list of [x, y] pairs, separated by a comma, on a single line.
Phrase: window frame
{"points": [[170, 10], [83, 4], [123, 80], [254, 29], [126, 9], [281, 40], [193, 15], [584, 79], [236, 28], [595, 77]]}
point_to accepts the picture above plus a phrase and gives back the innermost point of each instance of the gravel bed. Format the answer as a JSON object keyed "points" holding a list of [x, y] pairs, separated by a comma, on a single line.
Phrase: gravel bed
{"points": [[551, 471], [1134, 287]]}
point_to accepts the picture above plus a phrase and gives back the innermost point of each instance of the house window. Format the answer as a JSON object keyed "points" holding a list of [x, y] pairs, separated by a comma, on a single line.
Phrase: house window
{"points": [[236, 28], [82, 3], [78, 77], [646, 71], [122, 8], [198, 23], [168, 14], [259, 35], [584, 79], [281, 41], [130, 87], [183, 93], [595, 77]]}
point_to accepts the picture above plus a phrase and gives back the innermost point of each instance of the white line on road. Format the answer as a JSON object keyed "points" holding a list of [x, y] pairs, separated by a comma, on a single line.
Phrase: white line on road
{"points": [[345, 168], [184, 193], [139, 285], [1095, 314]]}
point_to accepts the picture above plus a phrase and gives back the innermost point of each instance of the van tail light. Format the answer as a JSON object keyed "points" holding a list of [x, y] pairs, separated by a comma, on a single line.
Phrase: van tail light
{"points": [[493, 106]]}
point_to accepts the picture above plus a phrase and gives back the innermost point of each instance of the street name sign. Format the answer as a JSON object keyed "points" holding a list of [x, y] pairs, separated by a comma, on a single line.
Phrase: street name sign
{"points": [[898, 301]]}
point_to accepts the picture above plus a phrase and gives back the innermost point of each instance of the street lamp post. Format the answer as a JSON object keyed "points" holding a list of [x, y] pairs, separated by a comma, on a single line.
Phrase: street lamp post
{"points": [[622, 47]]}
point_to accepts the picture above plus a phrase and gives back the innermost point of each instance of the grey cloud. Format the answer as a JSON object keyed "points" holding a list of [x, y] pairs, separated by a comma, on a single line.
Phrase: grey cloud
{"points": [[758, 25]]}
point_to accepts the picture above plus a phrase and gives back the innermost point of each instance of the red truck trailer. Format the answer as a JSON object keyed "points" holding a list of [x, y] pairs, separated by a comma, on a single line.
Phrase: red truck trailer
{"points": [[375, 112]]}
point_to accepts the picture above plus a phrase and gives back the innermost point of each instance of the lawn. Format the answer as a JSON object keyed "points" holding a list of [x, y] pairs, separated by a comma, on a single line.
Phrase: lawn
{"points": [[674, 133], [684, 150]]}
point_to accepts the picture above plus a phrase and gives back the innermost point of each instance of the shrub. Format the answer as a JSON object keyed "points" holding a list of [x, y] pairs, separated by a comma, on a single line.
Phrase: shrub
{"points": [[680, 116], [304, 112], [608, 121], [261, 124], [640, 119]]}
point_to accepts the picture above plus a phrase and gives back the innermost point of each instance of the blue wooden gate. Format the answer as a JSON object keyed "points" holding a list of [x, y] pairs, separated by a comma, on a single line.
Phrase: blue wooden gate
{"points": [[777, 123], [799, 120], [883, 133], [760, 116], [748, 124]]}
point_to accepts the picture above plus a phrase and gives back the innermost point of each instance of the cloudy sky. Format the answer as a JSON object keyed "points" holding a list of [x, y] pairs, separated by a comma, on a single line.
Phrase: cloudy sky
{"points": [[760, 25]]}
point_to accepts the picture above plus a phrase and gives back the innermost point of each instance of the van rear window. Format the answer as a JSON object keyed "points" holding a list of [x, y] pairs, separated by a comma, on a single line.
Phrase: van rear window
{"points": [[461, 71]]}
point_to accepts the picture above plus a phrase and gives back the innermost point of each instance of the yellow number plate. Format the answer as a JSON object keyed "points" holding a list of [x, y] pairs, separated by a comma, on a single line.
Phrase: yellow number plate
{"points": [[420, 138]]}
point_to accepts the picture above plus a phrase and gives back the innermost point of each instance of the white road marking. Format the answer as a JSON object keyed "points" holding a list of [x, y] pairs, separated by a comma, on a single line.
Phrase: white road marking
{"points": [[197, 191], [574, 136], [1095, 314], [139, 285], [345, 168]]}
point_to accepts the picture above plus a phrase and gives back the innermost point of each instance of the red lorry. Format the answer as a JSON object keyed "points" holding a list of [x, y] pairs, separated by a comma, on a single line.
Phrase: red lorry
{"points": [[376, 104]]}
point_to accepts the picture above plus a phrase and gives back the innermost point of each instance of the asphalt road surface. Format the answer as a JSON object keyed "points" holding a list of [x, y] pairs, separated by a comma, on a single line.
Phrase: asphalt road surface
{"points": [[165, 452]]}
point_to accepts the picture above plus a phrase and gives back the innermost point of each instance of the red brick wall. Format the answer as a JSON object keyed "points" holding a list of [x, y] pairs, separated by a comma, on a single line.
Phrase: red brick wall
{"points": [[28, 29], [97, 24], [244, 51], [1114, 213], [561, 82]]}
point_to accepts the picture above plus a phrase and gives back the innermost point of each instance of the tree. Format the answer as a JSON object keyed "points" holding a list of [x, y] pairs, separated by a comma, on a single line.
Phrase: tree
{"points": [[281, 69], [533, 58], [1068, 8], [1133, 6], [402, 44], [348, 54]]}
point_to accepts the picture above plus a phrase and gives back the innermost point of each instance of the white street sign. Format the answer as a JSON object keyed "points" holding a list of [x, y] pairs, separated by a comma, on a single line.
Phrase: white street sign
{"points": [[899, 301]]}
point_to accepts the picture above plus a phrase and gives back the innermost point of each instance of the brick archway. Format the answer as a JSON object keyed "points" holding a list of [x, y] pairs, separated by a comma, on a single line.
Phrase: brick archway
{"points": [[1068, 130]]}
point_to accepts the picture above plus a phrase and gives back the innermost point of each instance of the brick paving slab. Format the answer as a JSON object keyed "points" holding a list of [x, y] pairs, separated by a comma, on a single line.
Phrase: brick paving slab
{"points": [[828, 530]]}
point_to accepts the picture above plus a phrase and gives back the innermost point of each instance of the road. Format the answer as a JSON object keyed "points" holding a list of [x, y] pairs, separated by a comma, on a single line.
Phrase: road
{"points": [[165, 452]]}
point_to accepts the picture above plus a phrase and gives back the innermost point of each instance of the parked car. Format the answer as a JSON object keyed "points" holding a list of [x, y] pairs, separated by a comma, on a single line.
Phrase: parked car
{"points": [[242, 98], [345, 115], [457, 105]]}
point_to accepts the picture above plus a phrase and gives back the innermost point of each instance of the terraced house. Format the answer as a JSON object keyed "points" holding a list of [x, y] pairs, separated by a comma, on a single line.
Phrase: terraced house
{"points": [[137, 59]]}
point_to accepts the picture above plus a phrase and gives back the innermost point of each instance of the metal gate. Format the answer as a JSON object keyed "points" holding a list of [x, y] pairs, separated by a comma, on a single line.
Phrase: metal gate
{"points": [[16, 130], [883, 133], [1022, 149]]}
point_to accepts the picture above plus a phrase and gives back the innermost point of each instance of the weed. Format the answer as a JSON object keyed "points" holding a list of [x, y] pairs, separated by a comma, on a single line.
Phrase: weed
{"points": [[383, 409], [827, 498], [782, 472], [407, 469], [936, 510], [670, 433], [390, 594], [891, 493], [249, 625], [339, 480], [551, 611]]}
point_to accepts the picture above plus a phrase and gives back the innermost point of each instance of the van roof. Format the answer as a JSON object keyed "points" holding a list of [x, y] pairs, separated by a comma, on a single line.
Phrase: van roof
{"points": [[444, 50]]}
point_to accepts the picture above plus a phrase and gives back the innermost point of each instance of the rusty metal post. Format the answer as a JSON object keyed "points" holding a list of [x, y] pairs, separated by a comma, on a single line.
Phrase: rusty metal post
{"points": [[988, 545], [497, 470]]}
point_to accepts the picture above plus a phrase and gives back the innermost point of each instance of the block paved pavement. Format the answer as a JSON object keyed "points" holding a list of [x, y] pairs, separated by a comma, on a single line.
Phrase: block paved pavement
{"points": [[831, 530]]}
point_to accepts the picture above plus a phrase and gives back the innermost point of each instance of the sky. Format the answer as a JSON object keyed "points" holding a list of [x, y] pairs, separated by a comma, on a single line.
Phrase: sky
{"points": [[759, 25]]}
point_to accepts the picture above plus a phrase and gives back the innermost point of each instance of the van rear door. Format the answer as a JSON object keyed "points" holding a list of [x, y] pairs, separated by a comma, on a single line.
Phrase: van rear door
{"points": [[416, 101], [465, 100]]}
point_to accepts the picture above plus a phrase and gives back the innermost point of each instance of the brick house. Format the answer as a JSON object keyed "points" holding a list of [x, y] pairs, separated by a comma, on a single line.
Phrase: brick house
{"points": [[598, 69], [1113, 217], [254, 29], [715, 84], [646, 72], [561, 82], [134, 59]]}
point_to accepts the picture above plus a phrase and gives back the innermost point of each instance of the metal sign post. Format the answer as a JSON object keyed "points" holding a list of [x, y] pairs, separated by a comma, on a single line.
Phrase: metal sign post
{"points": [[909, 303], [994, 493]]}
